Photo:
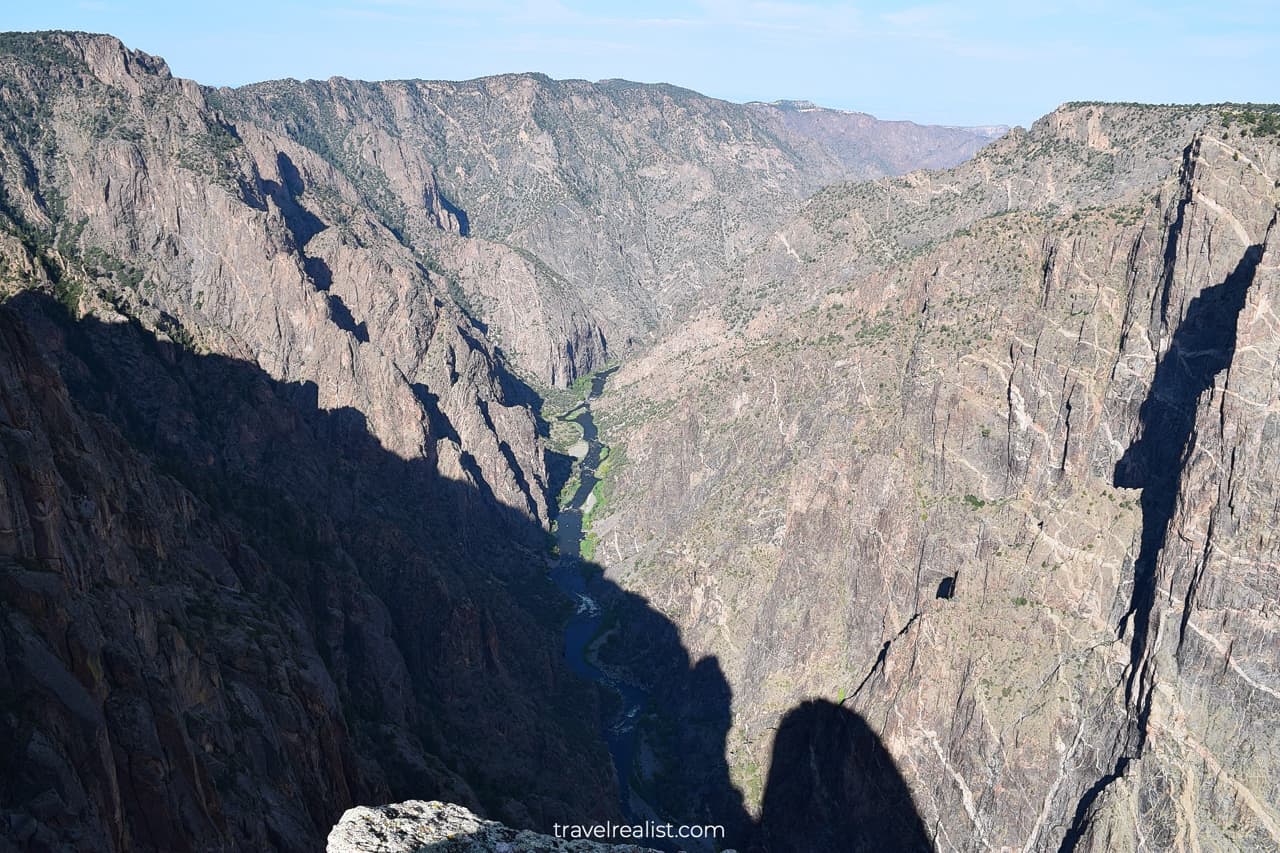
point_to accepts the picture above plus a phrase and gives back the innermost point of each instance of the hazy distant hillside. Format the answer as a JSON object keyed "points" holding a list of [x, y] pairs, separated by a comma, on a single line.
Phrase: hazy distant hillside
{"points": [[871, 148]]}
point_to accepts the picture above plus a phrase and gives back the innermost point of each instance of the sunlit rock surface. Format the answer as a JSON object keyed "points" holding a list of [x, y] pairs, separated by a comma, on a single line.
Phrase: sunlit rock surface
{"points": [[434, 827]]}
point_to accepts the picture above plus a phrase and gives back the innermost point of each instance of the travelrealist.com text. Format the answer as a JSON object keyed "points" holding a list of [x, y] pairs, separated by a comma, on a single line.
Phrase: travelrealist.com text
{"points": [[610, 830]]}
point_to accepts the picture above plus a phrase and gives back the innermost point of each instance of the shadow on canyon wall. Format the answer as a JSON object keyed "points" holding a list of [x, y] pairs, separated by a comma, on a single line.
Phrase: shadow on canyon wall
{"points": [[1203, 346], [313, 486]]}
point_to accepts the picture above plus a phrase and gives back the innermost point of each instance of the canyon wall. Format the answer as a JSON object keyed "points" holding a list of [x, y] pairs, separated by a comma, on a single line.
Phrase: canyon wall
{"points": [[274, 513], [982, 455]]}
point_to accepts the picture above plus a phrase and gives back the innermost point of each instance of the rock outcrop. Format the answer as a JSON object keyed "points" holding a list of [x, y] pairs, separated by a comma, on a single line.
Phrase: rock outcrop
{"points": [[435, 827]]}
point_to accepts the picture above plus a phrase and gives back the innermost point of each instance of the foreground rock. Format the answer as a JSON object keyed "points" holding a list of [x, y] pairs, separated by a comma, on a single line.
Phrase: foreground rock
{"points": [[418, 827]]}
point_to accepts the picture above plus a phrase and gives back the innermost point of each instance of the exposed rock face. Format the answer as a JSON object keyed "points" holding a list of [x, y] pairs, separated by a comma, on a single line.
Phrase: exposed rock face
{"points": [[272, 526], [597, 212], [274, 508], [256, 248], [984, 455], [435, 827], [997, 471], [229, 614]]}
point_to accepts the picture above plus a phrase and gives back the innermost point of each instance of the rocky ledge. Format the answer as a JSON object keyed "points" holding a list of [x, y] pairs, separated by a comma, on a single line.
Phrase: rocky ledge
{"points": [[434, 827]]}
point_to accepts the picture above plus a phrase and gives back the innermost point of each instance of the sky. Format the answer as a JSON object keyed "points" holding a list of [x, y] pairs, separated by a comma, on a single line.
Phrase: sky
{"points": [[969, 63]]}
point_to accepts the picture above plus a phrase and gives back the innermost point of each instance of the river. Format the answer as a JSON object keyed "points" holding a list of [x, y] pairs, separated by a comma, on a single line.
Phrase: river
{"points": [[571, 576]]}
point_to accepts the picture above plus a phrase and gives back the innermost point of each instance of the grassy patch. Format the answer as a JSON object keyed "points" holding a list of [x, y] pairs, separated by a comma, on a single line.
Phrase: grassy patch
{"points": [[588, 549]]}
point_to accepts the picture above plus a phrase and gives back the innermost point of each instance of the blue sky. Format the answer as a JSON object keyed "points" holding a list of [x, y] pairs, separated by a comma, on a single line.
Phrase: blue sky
{"points": [[978, 62]]}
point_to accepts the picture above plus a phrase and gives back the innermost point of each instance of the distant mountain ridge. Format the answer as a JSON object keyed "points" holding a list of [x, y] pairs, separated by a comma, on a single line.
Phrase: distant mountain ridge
{"points": [[869, 147], [988, 131], [616, 204]]}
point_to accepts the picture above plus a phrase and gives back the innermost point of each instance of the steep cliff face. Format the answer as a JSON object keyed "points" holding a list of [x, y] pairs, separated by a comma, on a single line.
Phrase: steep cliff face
{"points": [[231, 614], [273, 513], [252, 247], [1197, 763], [994, 474], [595, 212]]}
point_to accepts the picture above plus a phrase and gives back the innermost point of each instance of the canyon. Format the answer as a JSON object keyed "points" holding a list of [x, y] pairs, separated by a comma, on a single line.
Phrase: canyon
{"points": [[913, 486]]}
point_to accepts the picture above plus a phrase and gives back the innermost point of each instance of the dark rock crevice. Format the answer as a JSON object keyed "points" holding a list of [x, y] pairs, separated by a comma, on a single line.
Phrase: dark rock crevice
{"points": [[1173, 237], [342, 317], [884, 649], [302, 223], [464, 221], [1080, 818], [517, 469]]}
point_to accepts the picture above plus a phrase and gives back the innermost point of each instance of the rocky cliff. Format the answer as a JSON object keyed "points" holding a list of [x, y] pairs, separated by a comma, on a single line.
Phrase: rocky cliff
{"points": [[229, 613], [983, 456], [273, 536], [596, 212], [936, 511], [273, 517]]}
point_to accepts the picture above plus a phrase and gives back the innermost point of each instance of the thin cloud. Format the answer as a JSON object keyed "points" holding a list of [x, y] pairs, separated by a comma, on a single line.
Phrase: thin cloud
{"points": [[838, 19], [364, 14], [656, 22], [1229, 47], [916, 17]]}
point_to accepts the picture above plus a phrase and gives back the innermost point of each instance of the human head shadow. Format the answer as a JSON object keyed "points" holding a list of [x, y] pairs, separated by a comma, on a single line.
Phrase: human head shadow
{"points": [[833, 786], [328, 529]]}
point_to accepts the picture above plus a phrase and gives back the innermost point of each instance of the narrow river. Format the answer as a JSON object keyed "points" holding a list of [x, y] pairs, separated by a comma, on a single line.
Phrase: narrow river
{"points": [[571, 576]]}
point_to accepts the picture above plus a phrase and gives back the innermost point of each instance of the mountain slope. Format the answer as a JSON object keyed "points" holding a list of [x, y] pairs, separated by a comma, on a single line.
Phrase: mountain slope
{"points": [[981, 454], [274, 535], [612, 205]]}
